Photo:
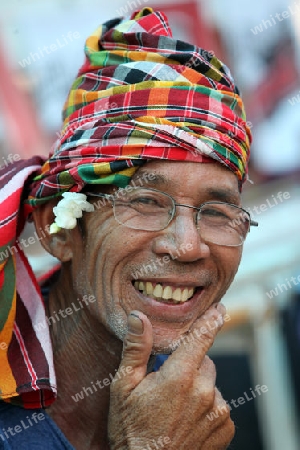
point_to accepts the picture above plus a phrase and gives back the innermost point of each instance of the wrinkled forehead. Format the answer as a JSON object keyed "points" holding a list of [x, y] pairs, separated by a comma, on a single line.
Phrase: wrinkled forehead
{"points": [[201, 181], [180, 178]]}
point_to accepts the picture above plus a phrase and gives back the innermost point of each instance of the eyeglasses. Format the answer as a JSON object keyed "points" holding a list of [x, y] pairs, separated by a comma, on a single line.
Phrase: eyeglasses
{"points": [[152, 210]]}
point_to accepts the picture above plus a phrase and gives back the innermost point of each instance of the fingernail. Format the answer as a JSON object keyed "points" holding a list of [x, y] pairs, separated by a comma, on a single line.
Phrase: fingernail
{"points": [[135, 324], [221, 308], [215, 312]]}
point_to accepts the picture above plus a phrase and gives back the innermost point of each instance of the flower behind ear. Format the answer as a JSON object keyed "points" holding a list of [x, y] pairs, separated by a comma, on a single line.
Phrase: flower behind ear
{"points": [[68, 210]]}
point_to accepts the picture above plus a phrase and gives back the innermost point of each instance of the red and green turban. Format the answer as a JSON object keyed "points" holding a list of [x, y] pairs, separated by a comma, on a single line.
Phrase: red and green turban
{"points": [[140, 95]]}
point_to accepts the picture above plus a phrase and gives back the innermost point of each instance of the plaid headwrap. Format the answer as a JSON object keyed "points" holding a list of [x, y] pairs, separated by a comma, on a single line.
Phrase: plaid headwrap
{"points": [[140, 95]]}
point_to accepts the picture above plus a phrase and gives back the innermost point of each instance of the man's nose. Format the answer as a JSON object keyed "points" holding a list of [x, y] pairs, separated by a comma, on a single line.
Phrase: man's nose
{"points": [[181, 239]]}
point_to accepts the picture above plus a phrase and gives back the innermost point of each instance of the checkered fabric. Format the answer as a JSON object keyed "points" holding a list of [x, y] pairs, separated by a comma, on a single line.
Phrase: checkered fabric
{"points": [[140, 95]]}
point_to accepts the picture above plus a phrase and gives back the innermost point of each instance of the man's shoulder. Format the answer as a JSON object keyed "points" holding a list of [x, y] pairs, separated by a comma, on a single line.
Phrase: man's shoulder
{"points": [[29, 429]]}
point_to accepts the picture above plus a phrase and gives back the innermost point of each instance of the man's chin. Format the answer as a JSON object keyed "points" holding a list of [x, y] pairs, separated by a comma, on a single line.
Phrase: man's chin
{"points": [[166, 348]]}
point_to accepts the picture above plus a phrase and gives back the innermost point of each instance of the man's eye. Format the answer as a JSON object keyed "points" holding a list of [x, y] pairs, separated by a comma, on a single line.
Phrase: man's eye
{"points": [[212, 212], [145, 201]]}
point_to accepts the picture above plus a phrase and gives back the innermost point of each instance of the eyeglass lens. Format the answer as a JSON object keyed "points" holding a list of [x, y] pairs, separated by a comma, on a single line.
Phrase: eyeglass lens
{"points": [[152, 210]]}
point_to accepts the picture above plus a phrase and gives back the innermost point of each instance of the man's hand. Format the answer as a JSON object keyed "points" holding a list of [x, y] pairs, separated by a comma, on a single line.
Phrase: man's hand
{"points": [[178, 407]]}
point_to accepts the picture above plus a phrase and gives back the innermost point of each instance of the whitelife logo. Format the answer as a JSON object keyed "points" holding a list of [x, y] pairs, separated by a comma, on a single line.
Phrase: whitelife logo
{"points": [[48, 49], [279, 17], [23, 425], [236, 403]]}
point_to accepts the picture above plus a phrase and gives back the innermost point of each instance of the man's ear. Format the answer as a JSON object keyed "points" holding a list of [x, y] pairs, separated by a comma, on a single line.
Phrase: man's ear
{"points": [[58, 244]]}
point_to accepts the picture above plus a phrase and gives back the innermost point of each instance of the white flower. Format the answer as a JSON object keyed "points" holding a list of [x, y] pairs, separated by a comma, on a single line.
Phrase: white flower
{"points": [[68, 210], [54, 228]]}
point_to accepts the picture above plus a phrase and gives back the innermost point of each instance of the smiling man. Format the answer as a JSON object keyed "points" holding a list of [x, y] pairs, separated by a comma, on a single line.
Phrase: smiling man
{"points": [[150, 163]]}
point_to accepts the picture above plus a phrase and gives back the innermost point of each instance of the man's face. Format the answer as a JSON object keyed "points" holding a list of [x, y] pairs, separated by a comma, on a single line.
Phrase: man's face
{"points": [[121, 266]]}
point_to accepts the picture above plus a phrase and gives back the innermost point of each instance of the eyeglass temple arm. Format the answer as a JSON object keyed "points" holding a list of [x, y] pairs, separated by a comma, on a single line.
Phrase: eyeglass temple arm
{"points": [[93, 194]]}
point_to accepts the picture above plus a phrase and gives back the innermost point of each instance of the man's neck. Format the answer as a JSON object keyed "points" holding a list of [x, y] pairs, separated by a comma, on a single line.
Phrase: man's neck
{"points": [[86, 357]]}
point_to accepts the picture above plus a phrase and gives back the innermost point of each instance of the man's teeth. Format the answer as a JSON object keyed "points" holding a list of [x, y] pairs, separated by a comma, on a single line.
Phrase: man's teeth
{"points": [[164, 293]]}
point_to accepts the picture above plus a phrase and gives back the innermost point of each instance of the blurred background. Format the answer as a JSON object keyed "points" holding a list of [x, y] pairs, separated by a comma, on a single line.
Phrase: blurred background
{"points": [[41, 50]]}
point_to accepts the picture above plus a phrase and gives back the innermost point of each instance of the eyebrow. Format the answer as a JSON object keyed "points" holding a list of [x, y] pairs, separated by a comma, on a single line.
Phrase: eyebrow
{"points": [[223, 195], [150, 177], [227, 195]]}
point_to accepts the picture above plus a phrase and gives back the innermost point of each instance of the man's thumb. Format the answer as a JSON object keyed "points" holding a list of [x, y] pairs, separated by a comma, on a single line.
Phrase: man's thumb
{"points": [[136, 351]]}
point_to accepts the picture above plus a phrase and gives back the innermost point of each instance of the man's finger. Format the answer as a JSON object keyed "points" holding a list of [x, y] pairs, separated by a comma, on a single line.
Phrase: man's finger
{"points": [[194, 346], [136, 352]]}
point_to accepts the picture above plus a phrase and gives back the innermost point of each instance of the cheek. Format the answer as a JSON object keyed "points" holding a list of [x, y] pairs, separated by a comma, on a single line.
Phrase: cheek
{"points": [[100, 269], [89, 247], [228, 262]]}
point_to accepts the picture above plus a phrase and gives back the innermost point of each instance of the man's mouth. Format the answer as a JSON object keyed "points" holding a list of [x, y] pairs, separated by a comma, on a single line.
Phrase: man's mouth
{"points": [[162, 292]]}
